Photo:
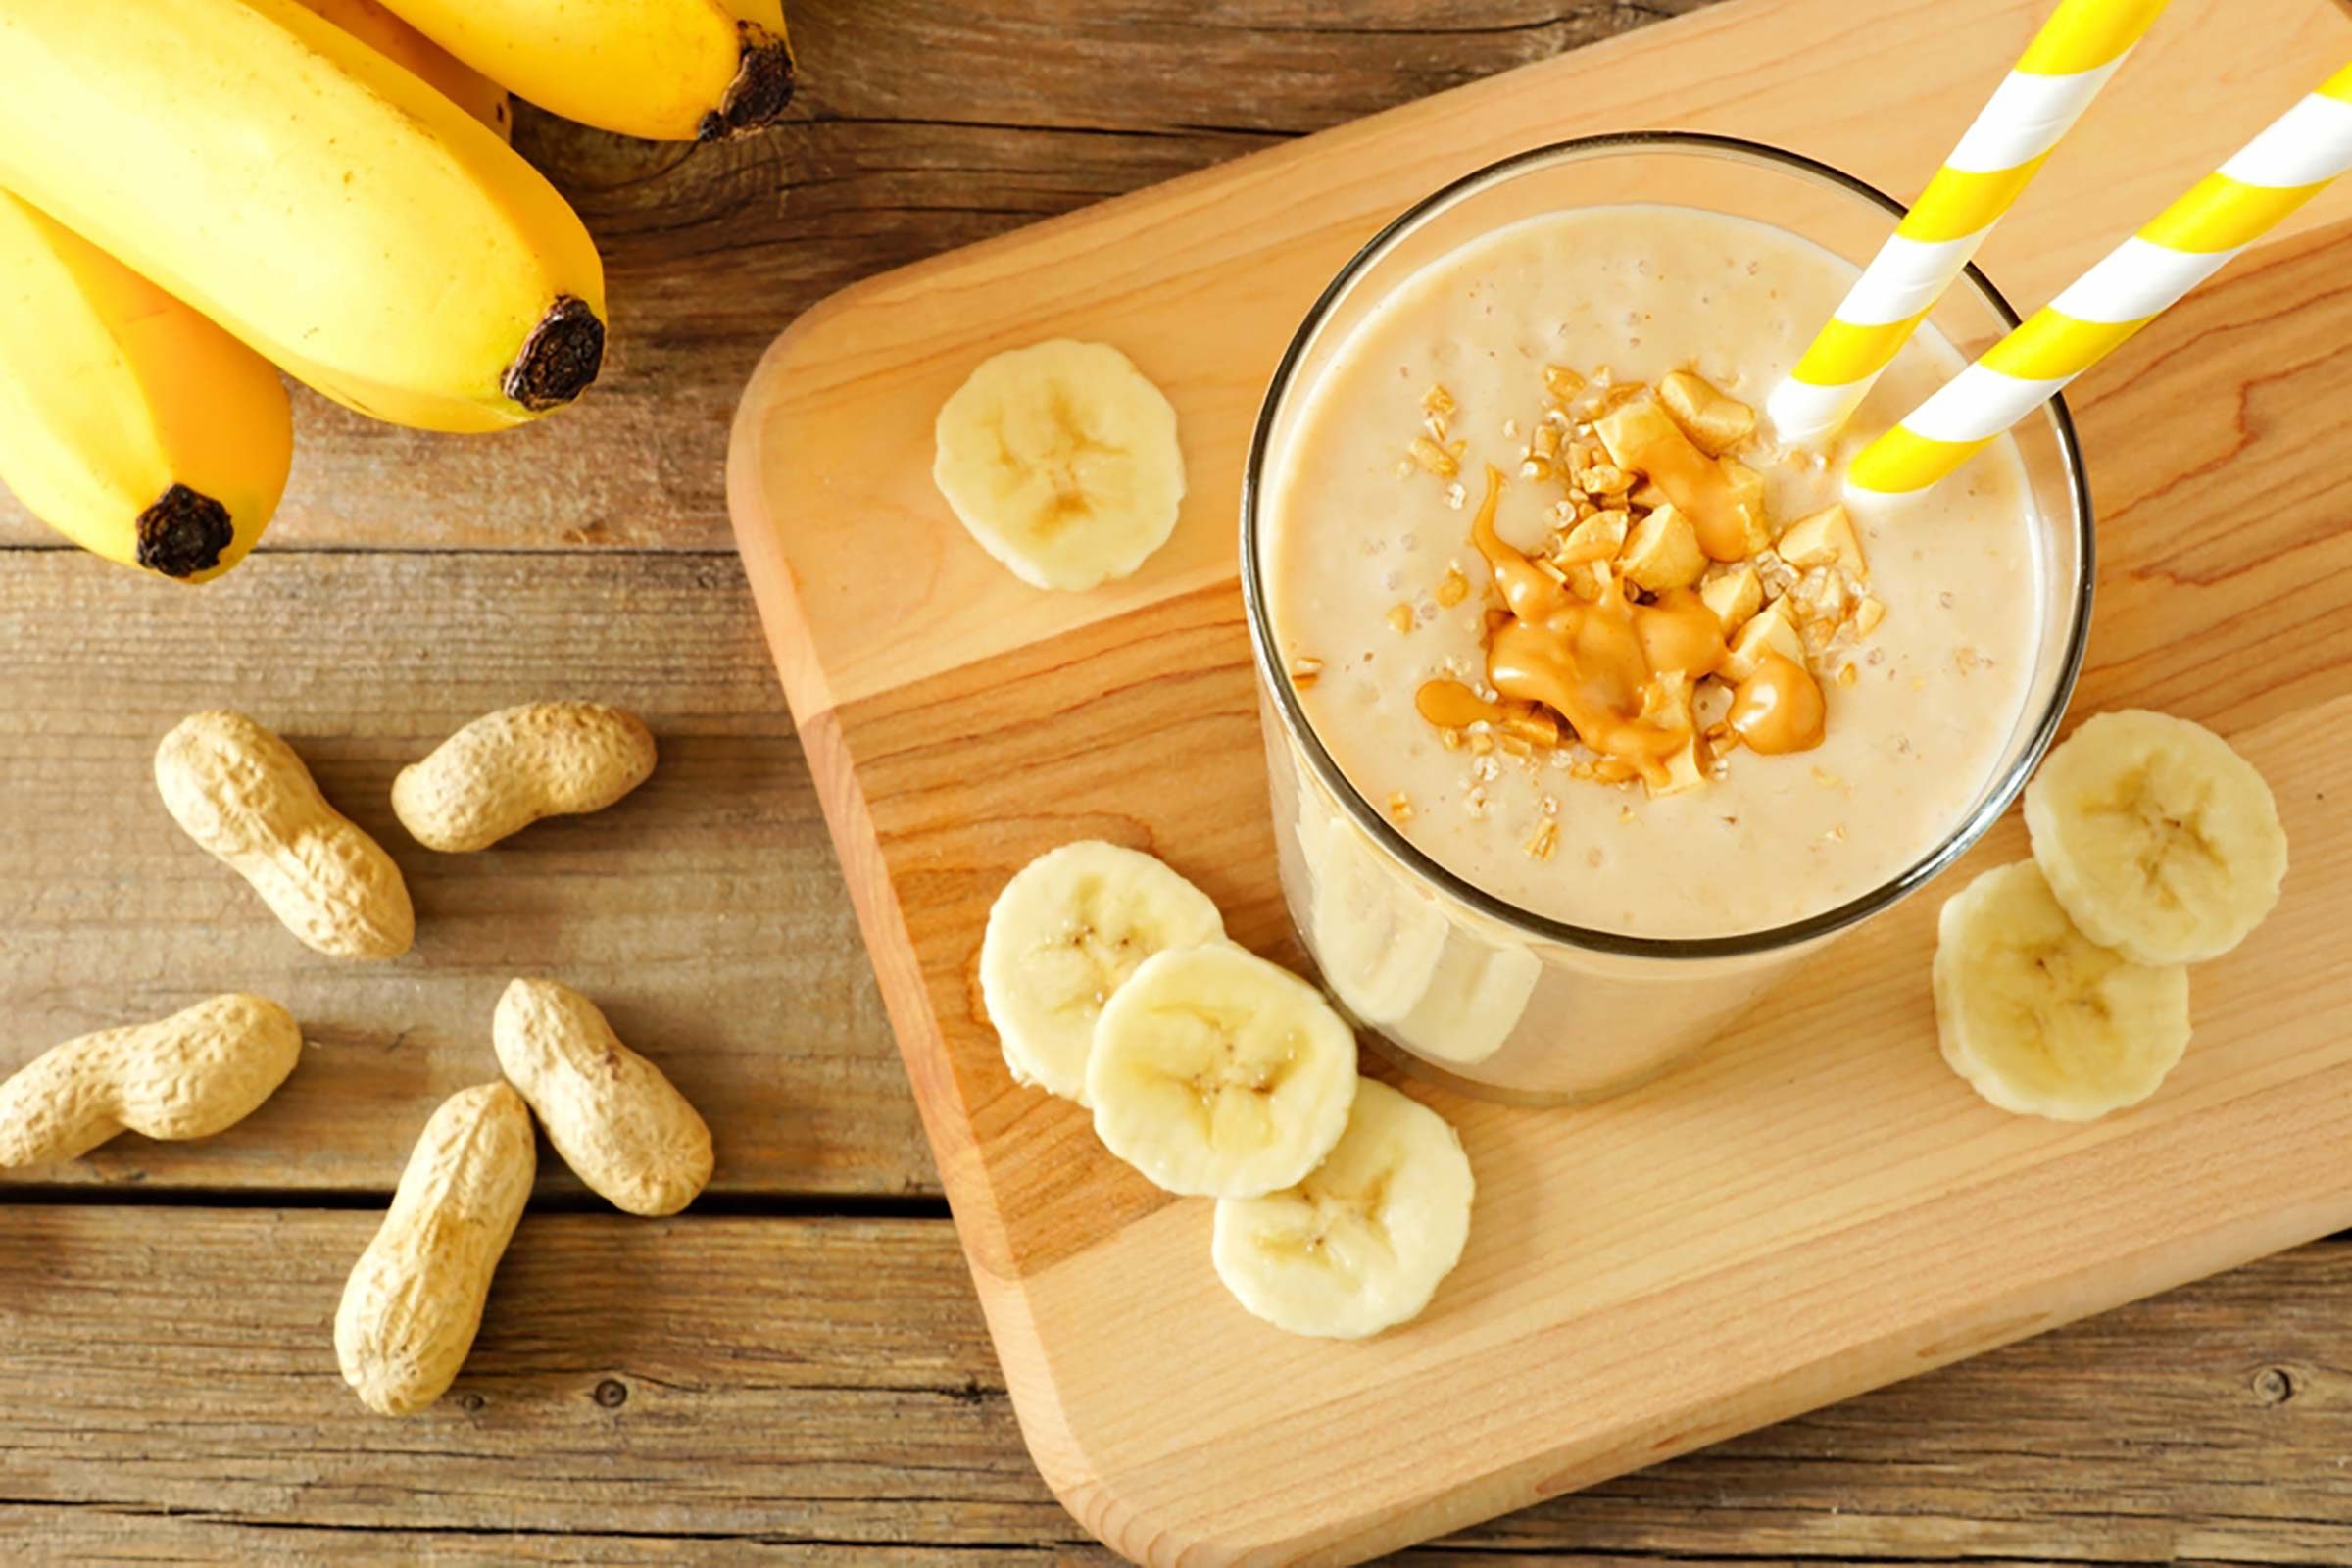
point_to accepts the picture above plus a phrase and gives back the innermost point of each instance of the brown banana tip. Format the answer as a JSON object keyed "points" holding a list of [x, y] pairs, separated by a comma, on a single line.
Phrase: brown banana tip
{"points": [[560, 358], [761, 88], [183, 533]]}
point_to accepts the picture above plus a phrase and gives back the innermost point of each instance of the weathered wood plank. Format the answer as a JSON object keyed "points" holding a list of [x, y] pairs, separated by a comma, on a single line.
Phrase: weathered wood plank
{"points": [[821, 1391], [924, 125], [804, 1380], [102, 1538], [704, 912]]}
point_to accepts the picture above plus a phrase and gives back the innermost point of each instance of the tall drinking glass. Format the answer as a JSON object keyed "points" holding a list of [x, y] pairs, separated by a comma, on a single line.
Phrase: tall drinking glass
{"points": [[1468, 985]]}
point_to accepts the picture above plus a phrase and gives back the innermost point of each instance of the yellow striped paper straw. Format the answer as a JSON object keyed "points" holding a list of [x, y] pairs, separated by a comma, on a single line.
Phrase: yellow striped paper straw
{"points": [[2062, 70], [2278, 172]]}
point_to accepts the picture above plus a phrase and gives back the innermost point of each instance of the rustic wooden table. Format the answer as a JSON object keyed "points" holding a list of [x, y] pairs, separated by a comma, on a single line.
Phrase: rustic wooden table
{"points": [[795, 1370]]}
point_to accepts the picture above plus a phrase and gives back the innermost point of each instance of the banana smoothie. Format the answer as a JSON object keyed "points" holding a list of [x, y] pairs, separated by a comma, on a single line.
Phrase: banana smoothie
{"points": [[1557, 601]]}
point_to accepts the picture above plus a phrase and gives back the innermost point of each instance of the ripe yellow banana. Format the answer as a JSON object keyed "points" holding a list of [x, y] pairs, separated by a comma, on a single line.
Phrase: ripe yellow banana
{"points": [[665, 70], [128, 422], [316, 200], [370, 23]]}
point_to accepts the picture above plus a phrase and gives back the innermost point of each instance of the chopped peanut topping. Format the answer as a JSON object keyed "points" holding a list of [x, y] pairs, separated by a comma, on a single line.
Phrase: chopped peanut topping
{"points": [[1825, 538], [1659, 625], [1714, 422], [1443, 461]]}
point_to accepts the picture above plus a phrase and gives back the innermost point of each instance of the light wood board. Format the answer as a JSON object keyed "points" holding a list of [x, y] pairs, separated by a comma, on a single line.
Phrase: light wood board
{"points": [[1817, 1207]]}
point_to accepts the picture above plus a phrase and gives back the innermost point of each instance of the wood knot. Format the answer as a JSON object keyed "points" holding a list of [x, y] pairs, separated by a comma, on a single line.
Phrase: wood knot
{"points": [[611, 1393], [2274, 1385], [472, 1402]]}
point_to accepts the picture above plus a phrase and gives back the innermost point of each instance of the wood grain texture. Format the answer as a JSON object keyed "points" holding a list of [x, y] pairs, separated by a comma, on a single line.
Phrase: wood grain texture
{"points": [[865, 1420], [2156, 1433], [703, 911], [958, 725]]}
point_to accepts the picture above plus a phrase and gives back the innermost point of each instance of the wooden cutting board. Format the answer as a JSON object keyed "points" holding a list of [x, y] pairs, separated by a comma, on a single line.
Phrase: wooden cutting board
{"points": [[1817, 1206]]}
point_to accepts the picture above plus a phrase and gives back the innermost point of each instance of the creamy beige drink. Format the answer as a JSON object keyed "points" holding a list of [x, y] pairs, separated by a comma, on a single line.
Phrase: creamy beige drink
{"points": [[1598, 648]]}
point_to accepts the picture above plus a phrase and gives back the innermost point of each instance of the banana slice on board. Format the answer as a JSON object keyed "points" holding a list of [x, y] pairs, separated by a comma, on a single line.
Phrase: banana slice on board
{"points": [[2041, 1019], [1065, 933], [1061, 460], [1362, 1243], [2160, 841], [1220, 1075]]}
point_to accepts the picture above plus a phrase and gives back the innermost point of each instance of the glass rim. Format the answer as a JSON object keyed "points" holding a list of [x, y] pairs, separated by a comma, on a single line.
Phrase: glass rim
{"points": [[2007, 784]]}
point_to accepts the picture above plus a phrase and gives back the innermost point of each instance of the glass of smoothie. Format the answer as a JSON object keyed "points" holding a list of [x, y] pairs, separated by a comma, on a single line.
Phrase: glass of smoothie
{"points": [[1592, 710]]}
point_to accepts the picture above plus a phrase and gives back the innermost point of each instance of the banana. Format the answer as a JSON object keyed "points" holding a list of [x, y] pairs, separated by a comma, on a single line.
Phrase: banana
{"points": [[318, 201], [2039, 1018], [128, 422], [1438, 987], [1061, 460], [370, 23], [1218, 1075], [1067, 931], [665, 69], [1364, 1241], [1474, 999], [2159, 840], [1377, 940]]}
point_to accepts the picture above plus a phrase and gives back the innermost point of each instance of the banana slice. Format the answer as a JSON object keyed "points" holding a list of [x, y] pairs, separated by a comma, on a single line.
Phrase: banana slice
{"points": [[1473, 1002], [1061, 460], [1377, 940], [2160, 841], [2041, 1019], [1361, 1243], [1218, 1075], [1065, 933]]}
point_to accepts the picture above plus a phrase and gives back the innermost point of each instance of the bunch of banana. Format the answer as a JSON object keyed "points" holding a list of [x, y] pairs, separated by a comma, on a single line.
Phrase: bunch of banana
{"points": [[197, 190]]}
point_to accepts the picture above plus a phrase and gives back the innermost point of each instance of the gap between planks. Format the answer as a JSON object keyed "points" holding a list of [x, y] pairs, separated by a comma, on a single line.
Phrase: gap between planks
{"points": [[778, 1204]]}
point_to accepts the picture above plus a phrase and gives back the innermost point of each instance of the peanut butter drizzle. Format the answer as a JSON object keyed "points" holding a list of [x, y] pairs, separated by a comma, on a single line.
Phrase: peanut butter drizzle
{"points": [[1450, 705], [1778, 709], [1693, 481], [1620, 673], [1706, 498]]}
